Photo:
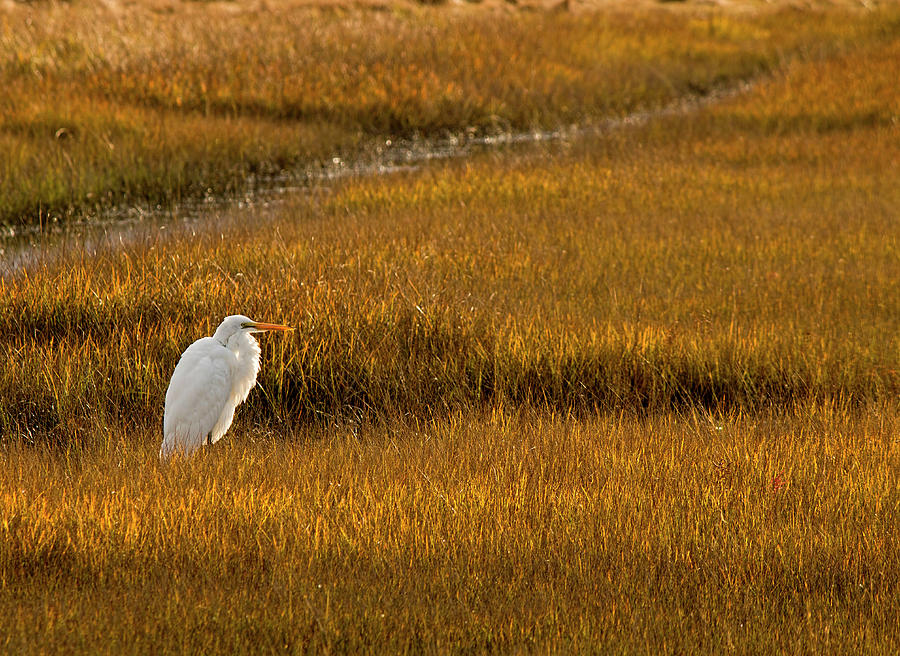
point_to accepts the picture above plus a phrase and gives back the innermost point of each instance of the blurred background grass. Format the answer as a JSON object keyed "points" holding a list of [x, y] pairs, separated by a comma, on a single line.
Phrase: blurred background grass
{"points": [[104, 104]]}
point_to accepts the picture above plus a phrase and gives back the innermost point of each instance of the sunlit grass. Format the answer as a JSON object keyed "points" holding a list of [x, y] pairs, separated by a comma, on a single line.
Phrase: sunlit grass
{"points": [[731, 268], [102, 105], [635, 393], [699, 533]]}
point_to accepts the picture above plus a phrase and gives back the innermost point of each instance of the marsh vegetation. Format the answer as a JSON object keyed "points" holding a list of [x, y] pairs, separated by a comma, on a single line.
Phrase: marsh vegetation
{"points": [[631, 393]]}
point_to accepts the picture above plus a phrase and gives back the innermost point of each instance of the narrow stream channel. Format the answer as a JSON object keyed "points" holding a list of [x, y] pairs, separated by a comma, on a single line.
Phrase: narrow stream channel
{"points": [[21, 246]]}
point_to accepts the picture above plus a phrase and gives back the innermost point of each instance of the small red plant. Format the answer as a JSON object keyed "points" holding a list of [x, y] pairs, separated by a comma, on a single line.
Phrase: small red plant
{"points": [[778, 484]]}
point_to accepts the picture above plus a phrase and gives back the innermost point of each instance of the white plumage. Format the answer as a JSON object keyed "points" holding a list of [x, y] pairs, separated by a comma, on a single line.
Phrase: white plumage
{"points": [[214, 376]]}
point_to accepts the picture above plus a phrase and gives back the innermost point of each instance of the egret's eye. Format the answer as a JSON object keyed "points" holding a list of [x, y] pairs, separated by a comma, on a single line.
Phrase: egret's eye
{"points": [[246, 325]]}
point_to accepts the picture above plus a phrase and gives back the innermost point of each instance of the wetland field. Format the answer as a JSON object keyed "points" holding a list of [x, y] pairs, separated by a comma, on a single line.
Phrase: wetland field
{"points": [[623, 379]]}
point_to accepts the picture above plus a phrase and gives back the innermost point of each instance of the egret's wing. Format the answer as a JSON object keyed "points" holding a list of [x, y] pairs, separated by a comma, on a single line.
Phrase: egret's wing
{"points": [[198, 395]]}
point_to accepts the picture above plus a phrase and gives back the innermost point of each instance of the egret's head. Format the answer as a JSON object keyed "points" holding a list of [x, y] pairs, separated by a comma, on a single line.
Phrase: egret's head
{"points": [[238, 323]]}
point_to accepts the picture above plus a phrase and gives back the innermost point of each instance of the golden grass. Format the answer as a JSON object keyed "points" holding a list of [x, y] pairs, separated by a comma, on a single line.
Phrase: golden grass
{"points": [[632, 394], [102, 105], [723, 263], [701, 533]]}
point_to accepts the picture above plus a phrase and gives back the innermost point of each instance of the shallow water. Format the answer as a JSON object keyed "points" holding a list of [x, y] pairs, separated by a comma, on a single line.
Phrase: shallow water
{"points": [[23, 246]]}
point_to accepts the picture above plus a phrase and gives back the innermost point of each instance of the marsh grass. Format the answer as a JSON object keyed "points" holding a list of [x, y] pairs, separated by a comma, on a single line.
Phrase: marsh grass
{"points": [[102, 105], [723, 263], [506, 531], [633, 394]]}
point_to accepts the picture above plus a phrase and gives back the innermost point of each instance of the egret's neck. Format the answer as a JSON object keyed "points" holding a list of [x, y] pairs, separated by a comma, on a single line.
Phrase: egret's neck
{"points": [[247, 351], [243, 345]]}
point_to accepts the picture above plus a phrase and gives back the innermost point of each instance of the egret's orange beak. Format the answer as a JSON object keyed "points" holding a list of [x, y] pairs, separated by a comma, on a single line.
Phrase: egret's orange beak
{"points": [[270, 326]]}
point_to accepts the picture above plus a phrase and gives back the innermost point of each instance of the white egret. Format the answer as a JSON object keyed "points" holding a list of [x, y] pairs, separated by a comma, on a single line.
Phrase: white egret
{"points": [[214, 376]]}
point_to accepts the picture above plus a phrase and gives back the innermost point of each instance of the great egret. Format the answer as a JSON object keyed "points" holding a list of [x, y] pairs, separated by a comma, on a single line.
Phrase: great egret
{"points": [[214, 376]]}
